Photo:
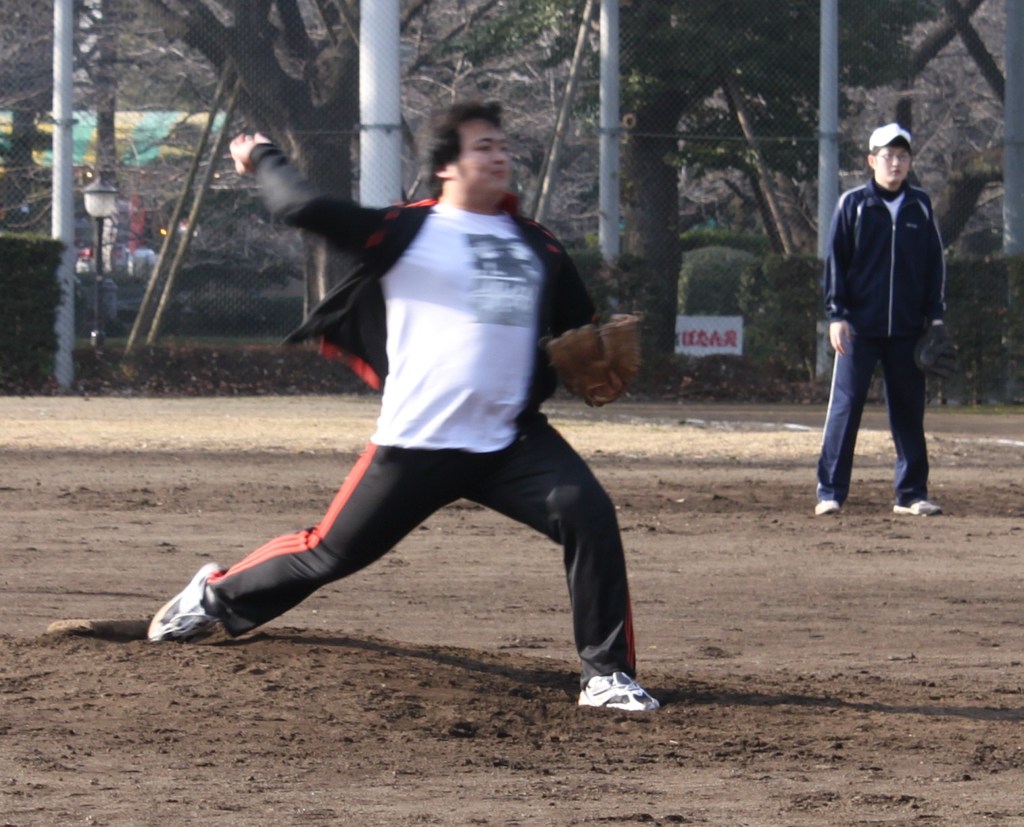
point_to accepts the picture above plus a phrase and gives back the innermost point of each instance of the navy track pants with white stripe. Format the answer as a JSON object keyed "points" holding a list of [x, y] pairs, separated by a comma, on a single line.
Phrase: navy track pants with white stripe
{"points": [[904, 386]]}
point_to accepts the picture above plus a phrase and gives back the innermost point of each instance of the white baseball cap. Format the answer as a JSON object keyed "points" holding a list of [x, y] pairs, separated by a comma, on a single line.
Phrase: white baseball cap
{"points": [[885, 135]]}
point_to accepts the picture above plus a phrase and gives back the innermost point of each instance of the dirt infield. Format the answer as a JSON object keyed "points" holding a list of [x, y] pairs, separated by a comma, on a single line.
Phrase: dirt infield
{"points": [[860, 670]]}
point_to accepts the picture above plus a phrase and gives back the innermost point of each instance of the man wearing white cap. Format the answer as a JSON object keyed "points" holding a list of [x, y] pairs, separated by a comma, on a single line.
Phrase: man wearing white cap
{"points": [[884, 284]]}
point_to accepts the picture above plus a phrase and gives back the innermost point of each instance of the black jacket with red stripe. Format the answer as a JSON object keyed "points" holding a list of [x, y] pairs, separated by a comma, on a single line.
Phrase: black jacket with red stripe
{"points": [[350, 321]]}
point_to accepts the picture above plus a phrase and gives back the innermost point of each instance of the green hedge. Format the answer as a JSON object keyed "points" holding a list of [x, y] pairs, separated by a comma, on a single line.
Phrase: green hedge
{"points": [[781, 303], [234, 313], [29, 296], [710, 279], [627, 286], [756, 245], [620, 287], [985, 317]]}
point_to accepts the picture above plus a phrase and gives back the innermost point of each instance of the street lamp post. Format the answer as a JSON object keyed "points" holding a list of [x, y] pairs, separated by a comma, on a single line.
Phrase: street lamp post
{"points": [[101, 204]]}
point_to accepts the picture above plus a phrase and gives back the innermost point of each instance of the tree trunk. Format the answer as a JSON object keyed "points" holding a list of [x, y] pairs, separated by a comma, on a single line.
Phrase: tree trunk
{"points": [[324, 157], [650, 202]]}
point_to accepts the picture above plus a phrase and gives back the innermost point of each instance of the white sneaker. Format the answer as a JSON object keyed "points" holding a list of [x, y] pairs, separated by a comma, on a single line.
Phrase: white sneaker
{"points": [[826, 507], [617, 691], [184, 617], [921, 508]]}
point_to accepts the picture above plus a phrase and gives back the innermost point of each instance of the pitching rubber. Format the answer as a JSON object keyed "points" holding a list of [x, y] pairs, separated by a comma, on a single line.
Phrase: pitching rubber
{"points": [[104, 629]]}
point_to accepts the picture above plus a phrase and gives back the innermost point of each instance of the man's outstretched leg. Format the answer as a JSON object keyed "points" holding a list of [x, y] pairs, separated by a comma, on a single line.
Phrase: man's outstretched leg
{"points": [[386, 495]]}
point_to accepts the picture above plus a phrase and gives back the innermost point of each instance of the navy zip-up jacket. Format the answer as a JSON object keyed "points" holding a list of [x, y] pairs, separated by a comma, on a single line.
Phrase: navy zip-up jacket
{"points": [[350, 321], [886, 278]]}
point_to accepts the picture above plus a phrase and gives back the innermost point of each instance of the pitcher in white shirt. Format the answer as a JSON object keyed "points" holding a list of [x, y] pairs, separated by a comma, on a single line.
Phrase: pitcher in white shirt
{"points": [[446, 315]]}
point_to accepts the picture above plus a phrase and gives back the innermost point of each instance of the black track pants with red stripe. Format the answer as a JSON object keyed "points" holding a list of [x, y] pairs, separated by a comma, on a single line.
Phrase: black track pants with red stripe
{"points": [[539, 480]]}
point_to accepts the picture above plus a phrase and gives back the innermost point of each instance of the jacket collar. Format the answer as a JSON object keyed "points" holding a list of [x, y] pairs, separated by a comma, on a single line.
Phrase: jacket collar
{"points": [[876, 190]]}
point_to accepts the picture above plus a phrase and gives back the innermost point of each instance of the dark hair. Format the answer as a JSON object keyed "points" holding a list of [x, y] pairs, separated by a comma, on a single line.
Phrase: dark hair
{"points": [[445, 146]]}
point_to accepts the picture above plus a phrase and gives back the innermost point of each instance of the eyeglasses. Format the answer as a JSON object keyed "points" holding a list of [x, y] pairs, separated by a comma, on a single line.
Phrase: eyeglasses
{"points": [[894, 157]]}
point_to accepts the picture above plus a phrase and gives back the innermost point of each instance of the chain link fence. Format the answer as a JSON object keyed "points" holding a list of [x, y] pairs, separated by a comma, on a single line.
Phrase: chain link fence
{"points": [[719, 145]]}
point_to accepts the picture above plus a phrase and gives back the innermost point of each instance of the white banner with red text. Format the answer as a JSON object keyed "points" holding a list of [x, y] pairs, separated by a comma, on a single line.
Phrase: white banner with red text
{"points": [[709, 335]]}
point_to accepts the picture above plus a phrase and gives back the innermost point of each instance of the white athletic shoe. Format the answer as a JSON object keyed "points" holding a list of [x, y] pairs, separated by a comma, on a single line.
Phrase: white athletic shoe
{"points": [[617, 691], [921, 508], [826, 507], [184, 617]]}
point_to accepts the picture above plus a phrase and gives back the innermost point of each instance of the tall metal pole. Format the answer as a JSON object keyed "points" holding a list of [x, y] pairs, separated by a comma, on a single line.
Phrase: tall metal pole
{"points": [[63, 211], [828, 148], [608, 172], [380, 109], [828, 120]]}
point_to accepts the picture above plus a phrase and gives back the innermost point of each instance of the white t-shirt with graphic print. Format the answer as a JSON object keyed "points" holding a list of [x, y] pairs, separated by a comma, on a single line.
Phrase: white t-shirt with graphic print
{"points": [[461, 306]]}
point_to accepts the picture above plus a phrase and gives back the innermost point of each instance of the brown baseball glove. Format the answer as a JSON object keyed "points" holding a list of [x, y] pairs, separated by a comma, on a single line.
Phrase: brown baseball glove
{"points": [[596, 362], [620, 340]]}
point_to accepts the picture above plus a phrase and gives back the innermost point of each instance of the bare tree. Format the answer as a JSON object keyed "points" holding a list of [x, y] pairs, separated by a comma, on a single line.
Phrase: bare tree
{"points": [[299, 81], [952, 98], [25, 93]]}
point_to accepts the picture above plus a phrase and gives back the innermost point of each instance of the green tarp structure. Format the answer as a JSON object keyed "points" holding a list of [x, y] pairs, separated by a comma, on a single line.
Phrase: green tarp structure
{"points": [[141, 136]]}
